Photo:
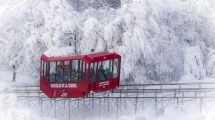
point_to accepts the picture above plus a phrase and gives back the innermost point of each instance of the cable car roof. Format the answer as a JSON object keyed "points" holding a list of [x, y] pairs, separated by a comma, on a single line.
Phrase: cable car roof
{"points": [[95, 57], [100, 56], [61, 58]]}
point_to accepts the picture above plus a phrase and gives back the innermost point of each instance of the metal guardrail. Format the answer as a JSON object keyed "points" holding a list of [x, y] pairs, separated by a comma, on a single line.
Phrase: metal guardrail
{"points": [[156, 84], [135, 94], [140, 90]]}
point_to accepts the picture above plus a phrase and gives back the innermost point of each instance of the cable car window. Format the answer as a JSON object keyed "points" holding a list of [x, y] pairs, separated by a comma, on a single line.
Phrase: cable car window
{"points": [[108, 68], [67, 71], [116, 68], [80, 69], [86, 73], [60, 71], [105, 70], [101, 74], [83, 71], [71, 72], [45, 71], [41, 69], [52, 72], [75, 70], [93, 72]]}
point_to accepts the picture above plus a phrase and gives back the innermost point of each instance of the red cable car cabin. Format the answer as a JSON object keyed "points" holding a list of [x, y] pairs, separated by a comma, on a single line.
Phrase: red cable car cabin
{"points": [[77, 76]]}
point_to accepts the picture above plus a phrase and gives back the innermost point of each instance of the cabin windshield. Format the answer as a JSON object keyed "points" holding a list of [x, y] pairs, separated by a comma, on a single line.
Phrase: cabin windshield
{"points": [[101, 71], [104, 70]]}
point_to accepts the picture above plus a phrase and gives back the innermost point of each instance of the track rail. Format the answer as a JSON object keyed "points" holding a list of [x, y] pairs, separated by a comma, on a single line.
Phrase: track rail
{"points": [[190, 83], [179, 85], [173, 90]]}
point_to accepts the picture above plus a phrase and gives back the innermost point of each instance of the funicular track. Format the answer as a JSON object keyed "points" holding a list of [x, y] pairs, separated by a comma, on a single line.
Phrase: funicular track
{"points": [[127, 98], [173, 90]]}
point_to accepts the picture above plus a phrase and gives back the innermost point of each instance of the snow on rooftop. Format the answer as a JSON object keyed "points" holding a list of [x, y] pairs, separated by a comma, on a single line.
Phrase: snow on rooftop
{"points": [[63, 51]]}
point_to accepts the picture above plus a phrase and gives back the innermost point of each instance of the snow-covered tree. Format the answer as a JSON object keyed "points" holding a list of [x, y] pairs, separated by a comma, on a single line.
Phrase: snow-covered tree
{"points": [[154, 37]]}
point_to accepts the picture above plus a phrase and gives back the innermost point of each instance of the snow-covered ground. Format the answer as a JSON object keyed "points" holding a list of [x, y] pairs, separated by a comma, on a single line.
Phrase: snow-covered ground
{"points": [[189, 110], [8, 101]]}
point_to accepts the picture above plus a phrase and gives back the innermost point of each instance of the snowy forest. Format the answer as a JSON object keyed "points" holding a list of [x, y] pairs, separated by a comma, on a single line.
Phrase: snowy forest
{"points": [[159, 40]]}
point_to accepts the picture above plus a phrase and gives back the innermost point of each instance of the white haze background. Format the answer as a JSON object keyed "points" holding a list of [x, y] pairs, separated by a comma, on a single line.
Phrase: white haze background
{"points": [[159, 40]]}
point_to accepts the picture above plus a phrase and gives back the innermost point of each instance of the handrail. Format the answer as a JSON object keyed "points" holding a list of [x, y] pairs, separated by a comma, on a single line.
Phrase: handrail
{"points": [[191, 83]]}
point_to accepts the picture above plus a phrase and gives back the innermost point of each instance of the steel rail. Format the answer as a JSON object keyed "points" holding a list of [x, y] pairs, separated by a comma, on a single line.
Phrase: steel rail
{"points": [[158, 84], [165, 88], [133, 89], [203, 97], [128, 97], [132, 92], [128, 90], [34, 91]]}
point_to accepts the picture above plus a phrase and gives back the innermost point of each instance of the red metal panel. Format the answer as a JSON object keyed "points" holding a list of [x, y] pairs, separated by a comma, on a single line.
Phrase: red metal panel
{"points": [[104, 85], [64, 89]]}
